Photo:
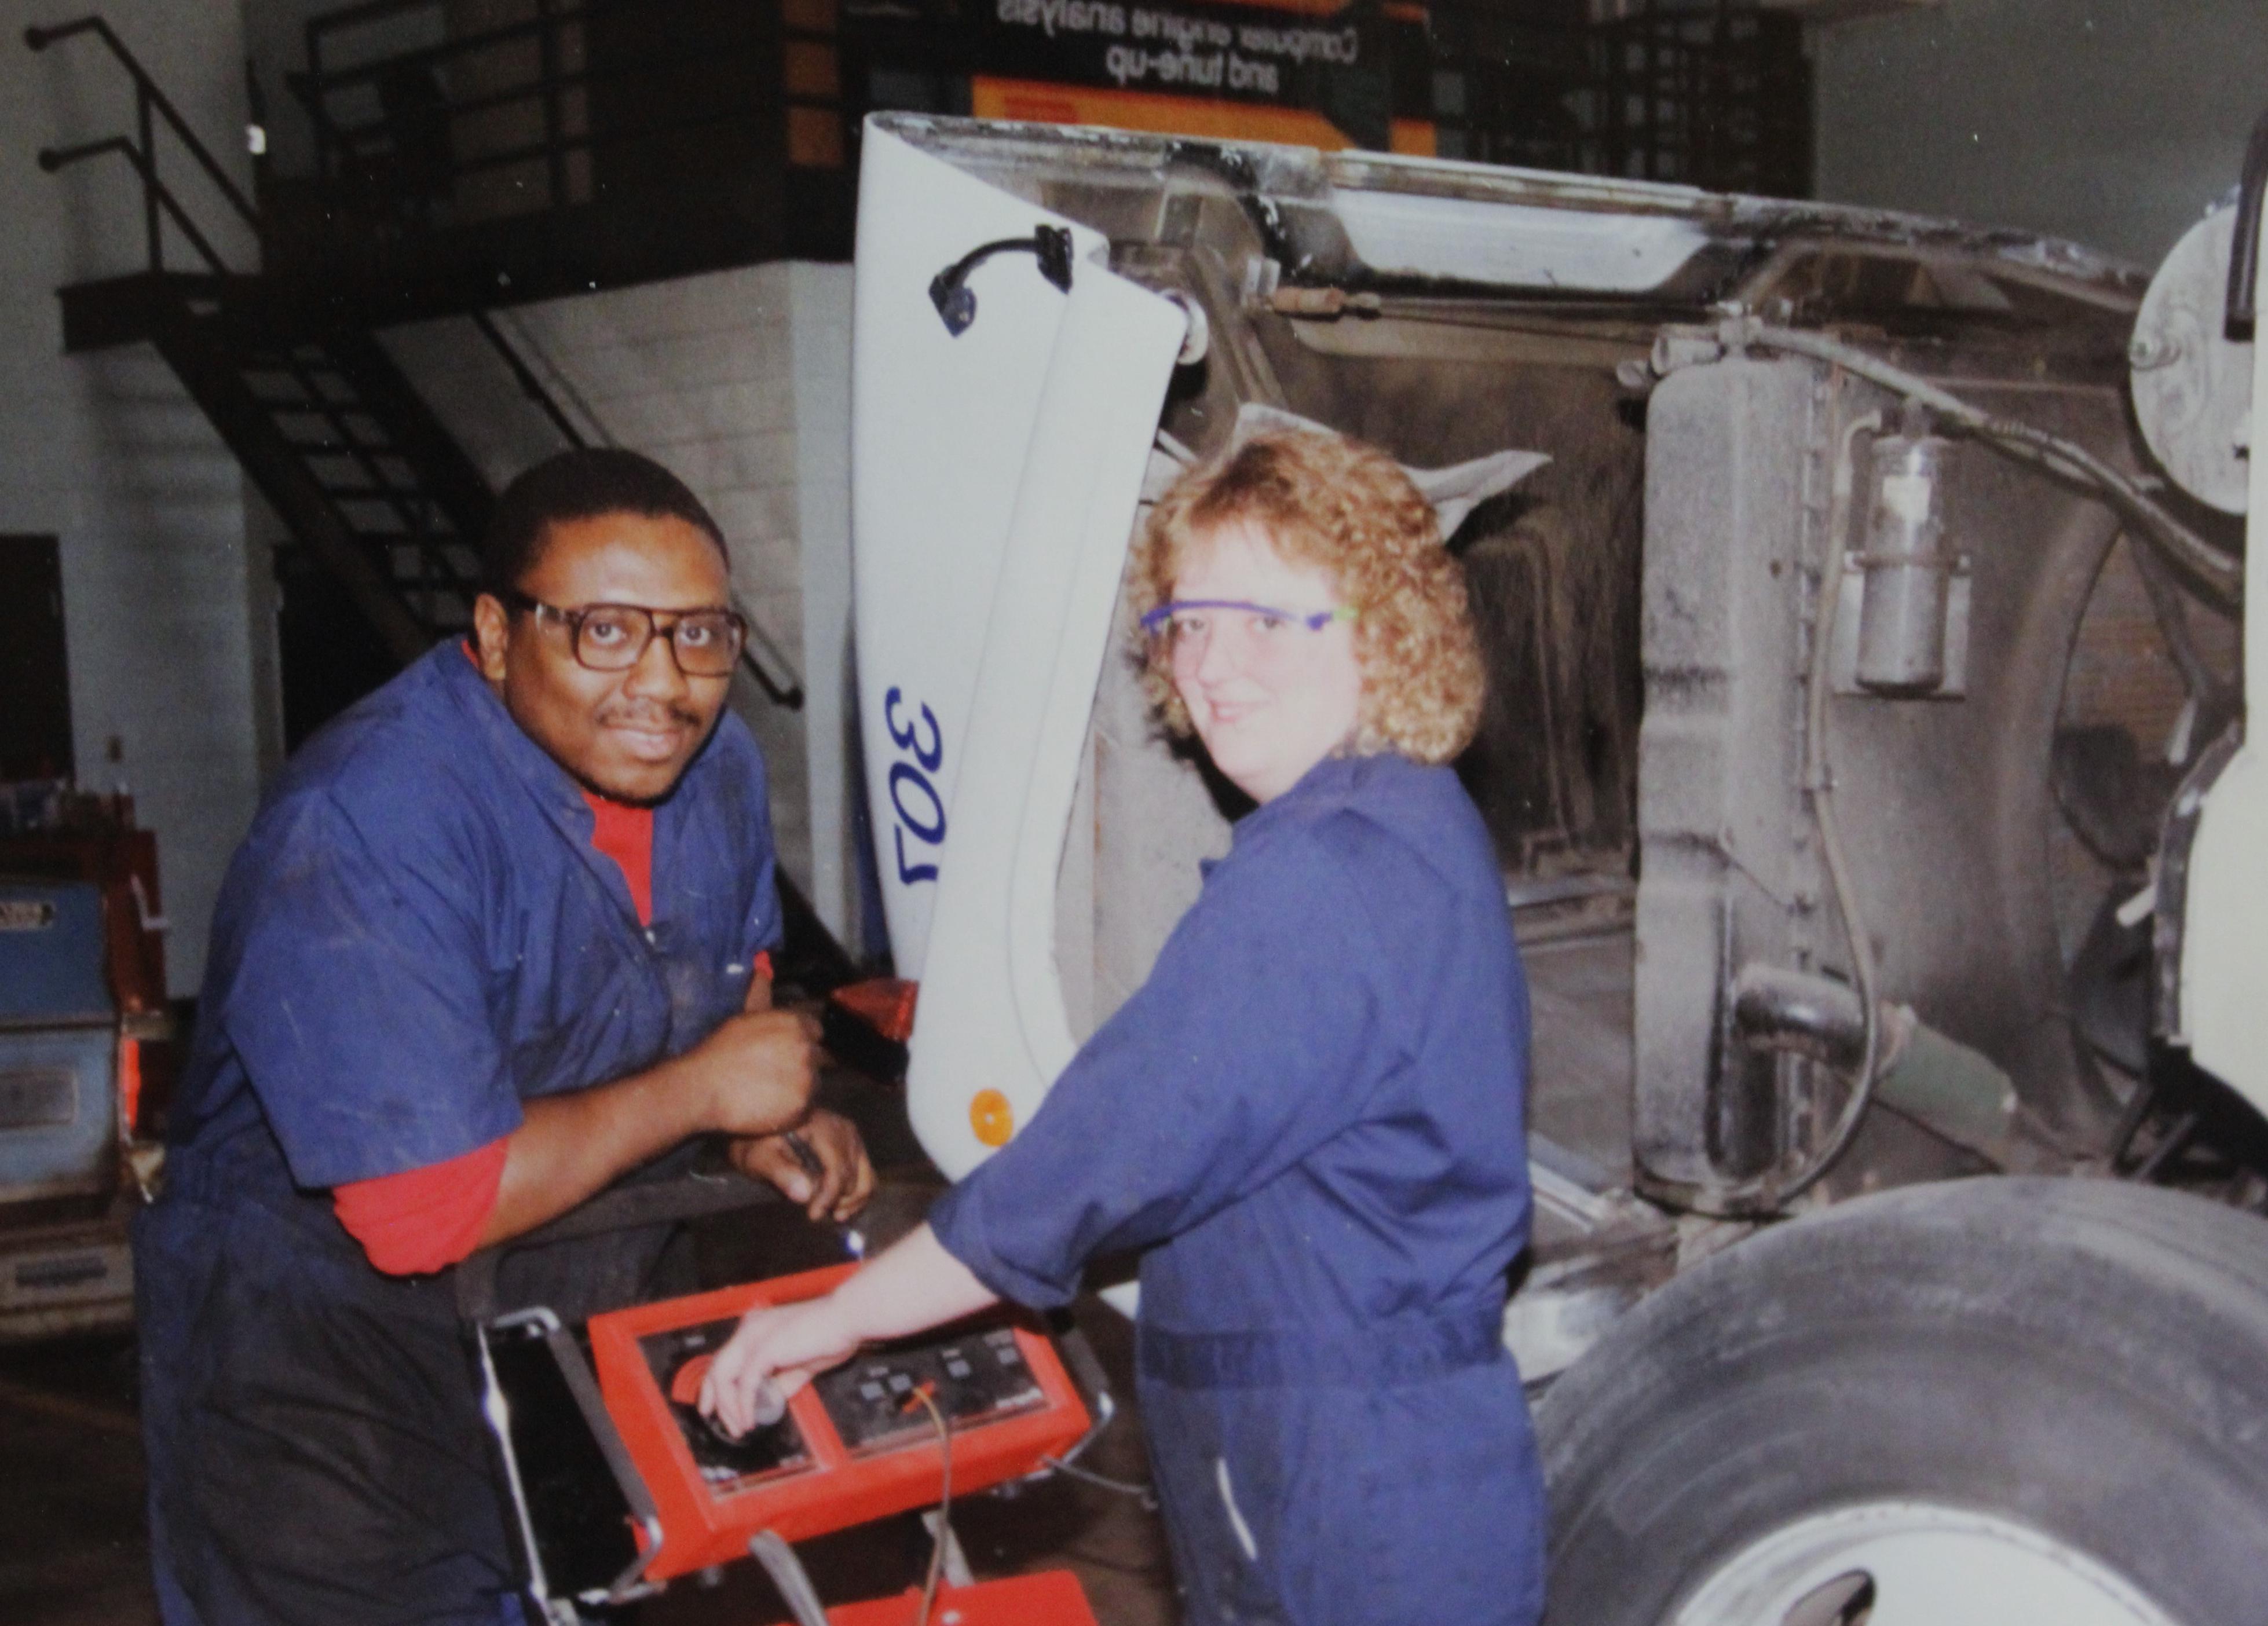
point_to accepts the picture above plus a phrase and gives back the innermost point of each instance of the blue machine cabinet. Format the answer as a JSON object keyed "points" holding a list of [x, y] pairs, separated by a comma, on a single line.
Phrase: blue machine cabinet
{"points": [[59, 1126], [64, 1266]]}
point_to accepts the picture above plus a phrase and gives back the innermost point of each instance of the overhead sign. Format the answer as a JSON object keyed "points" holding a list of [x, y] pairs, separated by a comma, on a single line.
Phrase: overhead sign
{"points": [[1333, 63]]}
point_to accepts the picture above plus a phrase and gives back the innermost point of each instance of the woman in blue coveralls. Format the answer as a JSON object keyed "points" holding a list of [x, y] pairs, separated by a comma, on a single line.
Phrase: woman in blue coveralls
{"points": [[1311, 1116]]}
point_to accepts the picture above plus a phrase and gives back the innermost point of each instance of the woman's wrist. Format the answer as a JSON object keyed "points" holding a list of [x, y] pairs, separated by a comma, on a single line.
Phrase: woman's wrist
{"points": [[840, 1321], [910, 1286]]}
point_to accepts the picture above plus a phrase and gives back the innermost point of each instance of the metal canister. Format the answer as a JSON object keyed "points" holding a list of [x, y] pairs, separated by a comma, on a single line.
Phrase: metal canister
{"points": [[1907, 570]]}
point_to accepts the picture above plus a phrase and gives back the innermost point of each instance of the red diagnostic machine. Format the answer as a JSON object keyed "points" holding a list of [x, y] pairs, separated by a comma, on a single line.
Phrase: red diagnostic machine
{"points": [[853, 1446]]}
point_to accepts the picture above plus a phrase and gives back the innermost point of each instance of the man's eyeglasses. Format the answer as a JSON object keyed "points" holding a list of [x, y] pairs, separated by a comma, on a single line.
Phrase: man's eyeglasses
{"points": [[615, 637], [1184, 627]]}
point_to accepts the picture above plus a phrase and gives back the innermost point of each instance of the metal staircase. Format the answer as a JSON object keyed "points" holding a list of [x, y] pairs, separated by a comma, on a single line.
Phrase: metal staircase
{"points": [[331, 433], [371, 484]]}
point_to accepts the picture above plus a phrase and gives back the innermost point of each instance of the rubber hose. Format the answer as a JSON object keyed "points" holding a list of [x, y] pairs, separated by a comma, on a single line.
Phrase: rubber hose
{"points": [[2244, 254]]}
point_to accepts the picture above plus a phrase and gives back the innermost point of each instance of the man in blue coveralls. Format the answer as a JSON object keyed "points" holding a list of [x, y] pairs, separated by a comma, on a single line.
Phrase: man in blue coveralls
{"points": [[497, 937]]}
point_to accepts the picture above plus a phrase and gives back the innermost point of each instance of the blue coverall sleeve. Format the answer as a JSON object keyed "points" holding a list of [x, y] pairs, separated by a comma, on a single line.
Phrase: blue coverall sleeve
{"points": [[1260, 1034], [360, 1009]]}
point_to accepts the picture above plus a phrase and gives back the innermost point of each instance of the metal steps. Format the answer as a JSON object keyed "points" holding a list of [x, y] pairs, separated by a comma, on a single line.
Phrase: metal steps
{"points": [[330, 432]]}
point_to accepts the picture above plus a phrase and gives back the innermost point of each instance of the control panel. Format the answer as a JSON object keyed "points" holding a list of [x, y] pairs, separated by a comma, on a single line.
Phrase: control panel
{"points": [[854, 1445], [974, 1378]]}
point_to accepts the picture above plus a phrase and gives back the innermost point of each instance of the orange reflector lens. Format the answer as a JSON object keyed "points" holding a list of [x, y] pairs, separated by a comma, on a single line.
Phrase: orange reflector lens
{"points": [[130, 1086], [885, 1004], [991, 1117]]}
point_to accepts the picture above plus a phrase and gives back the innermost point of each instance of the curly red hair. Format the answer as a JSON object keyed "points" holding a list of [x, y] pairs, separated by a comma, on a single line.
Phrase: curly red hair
{"points": [[1327, 501]]}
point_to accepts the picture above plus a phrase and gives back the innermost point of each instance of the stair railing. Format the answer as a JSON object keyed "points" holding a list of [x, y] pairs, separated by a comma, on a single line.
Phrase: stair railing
{"points": [[530, 385], [140, 151], [151, 104]]}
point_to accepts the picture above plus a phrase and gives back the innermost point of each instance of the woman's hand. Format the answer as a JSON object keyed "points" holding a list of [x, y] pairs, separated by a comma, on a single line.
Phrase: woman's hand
{"points": [[909, 1286], [786, 1346]]}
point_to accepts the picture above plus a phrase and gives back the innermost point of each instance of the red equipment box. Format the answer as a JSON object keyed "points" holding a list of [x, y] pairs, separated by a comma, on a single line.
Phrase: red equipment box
{"points": [[853, 1446], [1052, 1598]]}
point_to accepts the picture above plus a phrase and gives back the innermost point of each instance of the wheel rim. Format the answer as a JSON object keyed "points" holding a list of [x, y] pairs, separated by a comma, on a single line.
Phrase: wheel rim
{"points": [[1913, 1564]]}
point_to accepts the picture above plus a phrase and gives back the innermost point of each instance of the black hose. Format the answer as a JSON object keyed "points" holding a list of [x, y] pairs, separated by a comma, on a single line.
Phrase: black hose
{"points": [[1771, 1193], [2244, 254], [2218, 575]]}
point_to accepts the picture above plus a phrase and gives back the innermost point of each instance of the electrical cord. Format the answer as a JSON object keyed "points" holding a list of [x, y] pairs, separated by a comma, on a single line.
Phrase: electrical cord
{"points": [[944, 1502], [1141, 1493]]}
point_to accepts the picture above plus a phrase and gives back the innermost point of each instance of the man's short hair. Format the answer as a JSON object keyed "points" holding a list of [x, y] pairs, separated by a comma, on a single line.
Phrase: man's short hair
{"points": [[582, 484]]}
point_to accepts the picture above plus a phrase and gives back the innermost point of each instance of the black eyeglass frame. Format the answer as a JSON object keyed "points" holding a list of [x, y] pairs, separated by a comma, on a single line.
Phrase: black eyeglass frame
{"points": [[659, 623]]}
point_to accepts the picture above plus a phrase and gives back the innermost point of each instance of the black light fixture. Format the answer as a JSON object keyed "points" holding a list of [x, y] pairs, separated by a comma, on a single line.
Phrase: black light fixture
{"points": [[956, 301]]}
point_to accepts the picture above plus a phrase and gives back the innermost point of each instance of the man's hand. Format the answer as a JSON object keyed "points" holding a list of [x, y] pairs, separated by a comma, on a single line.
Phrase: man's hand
{"points": [[753, 1076], [846, 1178], [756, 1073]]}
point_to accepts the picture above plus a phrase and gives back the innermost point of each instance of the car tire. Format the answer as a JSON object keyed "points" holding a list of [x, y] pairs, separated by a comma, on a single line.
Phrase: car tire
{"points": [[1933, 1404]]}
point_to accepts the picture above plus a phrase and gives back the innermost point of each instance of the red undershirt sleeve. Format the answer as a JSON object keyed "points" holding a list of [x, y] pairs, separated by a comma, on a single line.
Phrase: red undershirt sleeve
{"points": [[424, 1219]]}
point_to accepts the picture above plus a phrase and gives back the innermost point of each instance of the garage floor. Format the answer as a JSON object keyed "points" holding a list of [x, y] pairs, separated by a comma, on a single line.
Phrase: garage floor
{"points": [[1582, 1012], [73, 1550]]}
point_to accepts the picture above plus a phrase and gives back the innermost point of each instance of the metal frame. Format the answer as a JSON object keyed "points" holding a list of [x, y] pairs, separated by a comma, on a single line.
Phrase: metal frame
{"points": [[340, 145], [576, 1374]]}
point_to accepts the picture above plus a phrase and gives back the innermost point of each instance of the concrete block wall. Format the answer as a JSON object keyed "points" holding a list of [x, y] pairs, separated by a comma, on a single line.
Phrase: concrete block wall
{"points": [[2115, 122], [739, 381], [108, 453]]}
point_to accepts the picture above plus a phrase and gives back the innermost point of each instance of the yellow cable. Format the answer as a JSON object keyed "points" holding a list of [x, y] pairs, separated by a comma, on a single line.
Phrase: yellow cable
{"points": [[943, 1506]]}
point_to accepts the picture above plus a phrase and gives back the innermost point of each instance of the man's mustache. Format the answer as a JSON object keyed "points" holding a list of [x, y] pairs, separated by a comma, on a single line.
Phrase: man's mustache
{"points": [[654, 716]]}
